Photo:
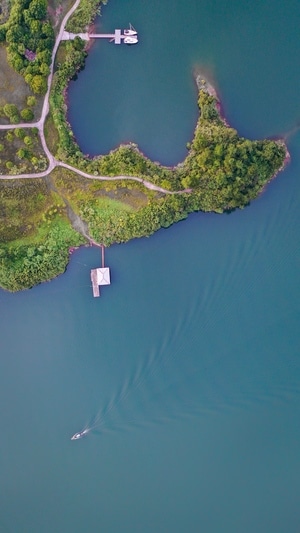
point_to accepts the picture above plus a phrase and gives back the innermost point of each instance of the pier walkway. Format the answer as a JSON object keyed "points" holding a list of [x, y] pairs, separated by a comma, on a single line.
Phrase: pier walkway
{"points": [[67, 36], [116, 37], [100, 276]]}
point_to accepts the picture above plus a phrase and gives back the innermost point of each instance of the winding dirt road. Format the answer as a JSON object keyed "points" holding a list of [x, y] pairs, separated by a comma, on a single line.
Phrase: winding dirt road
{"points": [[53, 163]]}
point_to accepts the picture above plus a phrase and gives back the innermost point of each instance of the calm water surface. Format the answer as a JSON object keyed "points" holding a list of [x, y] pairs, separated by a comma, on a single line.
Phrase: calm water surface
{"points": [[188, 365]]}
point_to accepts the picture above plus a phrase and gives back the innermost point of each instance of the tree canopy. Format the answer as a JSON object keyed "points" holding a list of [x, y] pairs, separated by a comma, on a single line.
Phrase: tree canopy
{"points": [[30, 39]]}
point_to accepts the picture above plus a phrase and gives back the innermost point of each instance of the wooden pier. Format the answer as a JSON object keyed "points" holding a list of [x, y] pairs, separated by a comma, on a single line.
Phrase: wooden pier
{"points": [[117, 37], [100, 276]]}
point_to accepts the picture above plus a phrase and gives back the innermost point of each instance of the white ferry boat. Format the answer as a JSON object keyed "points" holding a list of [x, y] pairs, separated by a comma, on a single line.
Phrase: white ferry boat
{"points": [[79, 435]]}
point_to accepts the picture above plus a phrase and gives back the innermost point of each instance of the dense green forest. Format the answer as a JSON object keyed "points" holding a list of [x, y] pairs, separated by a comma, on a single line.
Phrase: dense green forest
{"points": [[227, 170], [30, 39]]}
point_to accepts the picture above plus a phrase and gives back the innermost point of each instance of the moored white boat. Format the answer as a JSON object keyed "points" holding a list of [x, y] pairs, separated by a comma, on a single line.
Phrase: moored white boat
{"points": [[131, 40], [131, 31]]}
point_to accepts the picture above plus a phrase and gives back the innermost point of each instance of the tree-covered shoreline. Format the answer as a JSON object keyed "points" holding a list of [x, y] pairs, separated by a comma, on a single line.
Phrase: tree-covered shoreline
{"points": [[221, 172]]}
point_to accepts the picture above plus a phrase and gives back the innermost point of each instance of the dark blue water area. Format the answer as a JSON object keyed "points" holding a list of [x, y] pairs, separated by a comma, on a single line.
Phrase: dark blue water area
{"points": [[147, 94], [187, 369]]}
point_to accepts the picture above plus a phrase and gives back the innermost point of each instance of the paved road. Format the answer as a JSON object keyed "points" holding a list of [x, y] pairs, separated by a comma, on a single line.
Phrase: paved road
{"points": [[20, 125]]}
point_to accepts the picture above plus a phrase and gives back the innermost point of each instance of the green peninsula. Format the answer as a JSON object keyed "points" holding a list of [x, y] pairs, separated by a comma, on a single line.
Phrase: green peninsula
{"points": [[54, 198]]}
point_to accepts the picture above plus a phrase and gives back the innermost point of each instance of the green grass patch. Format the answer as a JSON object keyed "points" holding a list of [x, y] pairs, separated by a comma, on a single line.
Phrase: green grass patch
{"points": [[13, 88], [22, 205], [51, 134], [21, 152], [61, 55], [76, 189]]}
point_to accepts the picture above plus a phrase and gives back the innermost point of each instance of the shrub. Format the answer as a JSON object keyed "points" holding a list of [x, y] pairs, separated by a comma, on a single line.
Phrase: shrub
{"points": [[38, 84], [31, 101], [27, 114], [9, 136], [11, 110], [21, 153], [28, 140], [20, 133]]}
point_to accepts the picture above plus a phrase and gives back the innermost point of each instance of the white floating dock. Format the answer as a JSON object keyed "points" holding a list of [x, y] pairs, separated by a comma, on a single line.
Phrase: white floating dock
{"points": [[100, 276]]}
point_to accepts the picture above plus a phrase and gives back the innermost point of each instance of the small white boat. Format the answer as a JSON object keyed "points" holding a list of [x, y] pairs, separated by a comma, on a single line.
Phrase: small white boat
{"points": [[131, 31], [79, 435], [131, 40]]}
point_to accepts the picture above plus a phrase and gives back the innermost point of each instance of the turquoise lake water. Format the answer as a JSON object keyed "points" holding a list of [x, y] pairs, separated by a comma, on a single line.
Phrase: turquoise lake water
{"points": [[188, 366]]}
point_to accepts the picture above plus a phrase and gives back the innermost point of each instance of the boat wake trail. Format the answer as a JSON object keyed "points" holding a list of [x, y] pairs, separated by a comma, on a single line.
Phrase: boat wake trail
{"points": [[80, 434]]}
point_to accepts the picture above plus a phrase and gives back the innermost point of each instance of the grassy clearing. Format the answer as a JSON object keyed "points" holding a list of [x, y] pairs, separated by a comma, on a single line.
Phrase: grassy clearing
{"points": [[40, 232], [80, 191], [21, 152], [51, 134], [44, 224], [85, 195], [134, 198], [60, 55], [114, 211], [105, 206], [14, 89], [24, 206]]}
